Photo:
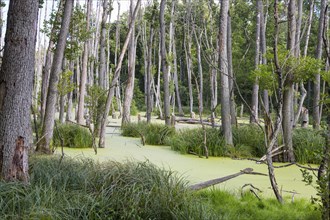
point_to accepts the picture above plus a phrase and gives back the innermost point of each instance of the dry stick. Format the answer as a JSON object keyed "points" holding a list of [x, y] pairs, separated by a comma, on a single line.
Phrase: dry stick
{"points": [[213, 182], [251, 190]]}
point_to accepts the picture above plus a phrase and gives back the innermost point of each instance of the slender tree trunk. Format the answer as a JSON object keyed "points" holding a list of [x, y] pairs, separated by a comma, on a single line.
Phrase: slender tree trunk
{"points": [[200, 71], [225, 93], [175, 78], [16, 84], [317, 80], [62, 93], [126, 117], [48, 125], [102, 58], [167, 110], [255, 91], [83, 77], [70, 96], [48, 62], [288, 115], [233, 118], [118, 86], [115, 78], [309, 25]]}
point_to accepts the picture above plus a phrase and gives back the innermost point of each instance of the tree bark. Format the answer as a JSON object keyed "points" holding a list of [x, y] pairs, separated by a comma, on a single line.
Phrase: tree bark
{"points": [[16, 84], [83, 77], [255, 91], [102, 57], [126, 116], [225, 93], [317, 80], [48, 125], [233, 118], [167, 110], [288, 114], [48, 62]]}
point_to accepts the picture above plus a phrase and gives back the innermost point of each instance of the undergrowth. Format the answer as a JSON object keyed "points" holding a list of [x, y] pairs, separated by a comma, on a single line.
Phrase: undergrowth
{"points": [[84, 189]]}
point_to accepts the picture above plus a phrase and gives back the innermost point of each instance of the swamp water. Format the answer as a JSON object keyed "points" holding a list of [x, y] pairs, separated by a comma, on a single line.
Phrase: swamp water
{"points": [[193, 168]]}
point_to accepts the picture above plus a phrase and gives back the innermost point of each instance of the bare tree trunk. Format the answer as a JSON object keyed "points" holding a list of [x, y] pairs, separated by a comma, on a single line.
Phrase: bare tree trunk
{"points": [[167, 110], [255, 91], [233, 118], [62, 95], [288, 115], [16, 84], [200, 71], [225, 93], [83, 77], [70, 96], [48, 62], [102, 58], [48, 125], [149, 68], [115, 78], [309, 25], [277, 126], [317, 80], [175, 78], [126, 117], [187, 48], [117, 91]]}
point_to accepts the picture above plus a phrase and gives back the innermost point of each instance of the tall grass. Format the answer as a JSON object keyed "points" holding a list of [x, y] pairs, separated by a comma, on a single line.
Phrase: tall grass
{"points": [[191, 140], [86, 190], [308, 145], [247, 206], [154, 134], [73, 136]]}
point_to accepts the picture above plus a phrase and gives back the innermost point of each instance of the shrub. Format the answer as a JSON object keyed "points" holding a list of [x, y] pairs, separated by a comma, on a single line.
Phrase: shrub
{"points": [[73, 136], [308, 145]]}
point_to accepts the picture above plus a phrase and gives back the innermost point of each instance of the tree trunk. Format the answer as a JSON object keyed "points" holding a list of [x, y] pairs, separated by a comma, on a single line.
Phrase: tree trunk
{"points": [[115, 78], [126, 117], [167, 110], [288, 114], [309, 25], [16, 84], [48, 62], [83, 77], [225, 93], [317, 80], [70, 96], [48, 125], [102, 57], [175, 78], [233, 118], [255, 91]]}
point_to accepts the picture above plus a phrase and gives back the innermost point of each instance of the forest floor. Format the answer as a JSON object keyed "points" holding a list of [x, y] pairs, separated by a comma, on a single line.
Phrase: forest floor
{"points": [[193, 168]]}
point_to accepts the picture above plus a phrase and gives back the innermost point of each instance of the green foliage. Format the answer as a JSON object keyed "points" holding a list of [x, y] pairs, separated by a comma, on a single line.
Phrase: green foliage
{"points": [[65, 84], [154, 134], [73, 189], [95, 101], [247, 206], [133, 109], [308, 145], [73, 136]]}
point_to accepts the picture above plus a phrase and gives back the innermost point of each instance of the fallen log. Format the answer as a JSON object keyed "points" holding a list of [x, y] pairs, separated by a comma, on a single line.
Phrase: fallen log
{"points": [[213, 182]]}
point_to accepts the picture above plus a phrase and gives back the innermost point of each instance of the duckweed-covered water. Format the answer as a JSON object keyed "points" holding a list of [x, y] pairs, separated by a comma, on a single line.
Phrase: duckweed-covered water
{"points": [[193, 168]]}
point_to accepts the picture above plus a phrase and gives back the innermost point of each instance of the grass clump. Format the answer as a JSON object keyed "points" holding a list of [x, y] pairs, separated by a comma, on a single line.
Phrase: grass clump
{"points": [[73, 136], [73, 189], [154, 134], [249, 140], [191, 140], [308, 145], [247, 206]]}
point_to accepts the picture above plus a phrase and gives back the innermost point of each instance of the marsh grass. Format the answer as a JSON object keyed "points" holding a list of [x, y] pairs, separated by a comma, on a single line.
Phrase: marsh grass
{"points": [[246, 206], [83, 189], [73, 136], [154, 134]]}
